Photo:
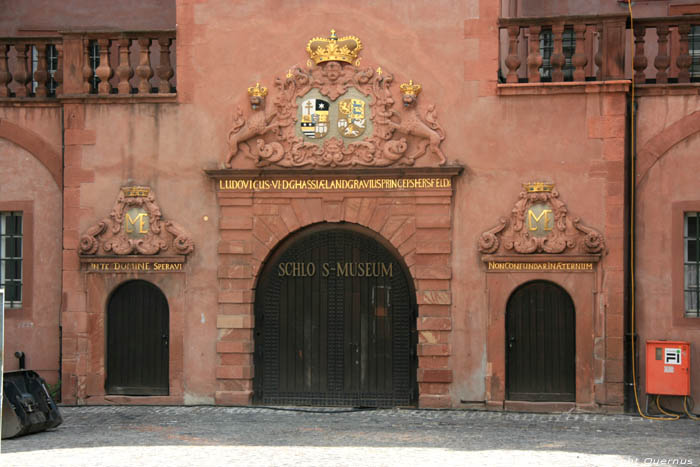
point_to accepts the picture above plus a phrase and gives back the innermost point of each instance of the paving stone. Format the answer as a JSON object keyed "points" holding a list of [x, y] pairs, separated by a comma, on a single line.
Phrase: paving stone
{"points": [[214, 436]]}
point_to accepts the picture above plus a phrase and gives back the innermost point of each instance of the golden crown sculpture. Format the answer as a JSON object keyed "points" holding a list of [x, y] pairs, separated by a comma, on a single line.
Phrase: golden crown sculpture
{"points": [[538, 187], [334, 49], [257, 91], [136, 191], [410, 88]]}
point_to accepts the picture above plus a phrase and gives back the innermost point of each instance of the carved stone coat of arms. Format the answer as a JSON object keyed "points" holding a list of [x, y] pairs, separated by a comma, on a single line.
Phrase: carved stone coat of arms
{"points": [[335, 114]]}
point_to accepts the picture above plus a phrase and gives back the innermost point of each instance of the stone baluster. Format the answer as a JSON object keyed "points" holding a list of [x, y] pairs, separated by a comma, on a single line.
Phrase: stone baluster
{"points": [[124, 70], [513, 61], [41, 74], [639, 63], [579, 59], [58, 74], [662, 60], [534, 58], [144, 70], [598, 59], [557, 59], [104, 71], [684, 60], [165, 69], [21, 74], [5, 75], [87, 67]]}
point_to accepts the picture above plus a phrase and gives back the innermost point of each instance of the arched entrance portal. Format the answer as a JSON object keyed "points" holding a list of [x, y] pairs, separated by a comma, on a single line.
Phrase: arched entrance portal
{"points": [[540, 344], [137, 340], [335, 322]]}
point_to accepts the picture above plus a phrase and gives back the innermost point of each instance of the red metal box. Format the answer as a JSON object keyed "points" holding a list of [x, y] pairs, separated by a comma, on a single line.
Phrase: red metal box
{"points": [[668, 368]]}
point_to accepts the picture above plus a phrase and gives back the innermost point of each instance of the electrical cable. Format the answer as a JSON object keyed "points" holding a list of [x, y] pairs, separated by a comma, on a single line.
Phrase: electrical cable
{"points": [[632, 214], [689, 413], [670, 413]]}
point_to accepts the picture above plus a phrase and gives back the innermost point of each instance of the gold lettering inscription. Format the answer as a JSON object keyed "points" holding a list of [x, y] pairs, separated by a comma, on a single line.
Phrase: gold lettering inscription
{"points": [[167, 266], [334, 184], [142, 218], [541, 266], [340, 269], [387, 272], [139, 266], [296, 270], [531, 215]]}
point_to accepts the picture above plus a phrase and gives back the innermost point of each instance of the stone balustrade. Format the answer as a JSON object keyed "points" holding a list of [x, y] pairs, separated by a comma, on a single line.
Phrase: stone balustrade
{"points": [[665, 50], [565, 48], [135, 63], [30, 66], [599, 48], [668, 44]]}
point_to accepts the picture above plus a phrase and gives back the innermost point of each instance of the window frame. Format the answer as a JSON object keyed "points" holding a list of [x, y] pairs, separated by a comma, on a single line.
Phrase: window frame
{"points": [[678, 212], [546, 41], [27, 209], [691, 218]]}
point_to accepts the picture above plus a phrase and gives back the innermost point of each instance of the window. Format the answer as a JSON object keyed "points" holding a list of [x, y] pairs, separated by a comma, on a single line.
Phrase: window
{"points": [[94, 60], [691, 263], [11, 258], [694, 51], [51, 67], [547, 48]]}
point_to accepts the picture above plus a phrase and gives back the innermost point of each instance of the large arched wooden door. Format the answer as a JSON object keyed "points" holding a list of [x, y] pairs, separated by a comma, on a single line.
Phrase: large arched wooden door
{"points": [[540, 344], [335, 322], [137, 340]]}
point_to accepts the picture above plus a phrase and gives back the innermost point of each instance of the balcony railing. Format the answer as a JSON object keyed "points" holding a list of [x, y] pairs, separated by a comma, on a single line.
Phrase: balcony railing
{"points": [[599, 48], [25, 69], [135, 63]]}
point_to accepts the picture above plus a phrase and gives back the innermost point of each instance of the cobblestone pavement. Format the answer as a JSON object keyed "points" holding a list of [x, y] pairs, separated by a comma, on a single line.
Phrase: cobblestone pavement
{"points": [[223, 436]]}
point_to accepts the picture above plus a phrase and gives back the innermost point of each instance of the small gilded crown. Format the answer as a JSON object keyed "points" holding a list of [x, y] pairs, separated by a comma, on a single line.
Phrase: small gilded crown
{"points": [[410, 88], [257, 91], [136, 191], [334, 49], [538, 187]]}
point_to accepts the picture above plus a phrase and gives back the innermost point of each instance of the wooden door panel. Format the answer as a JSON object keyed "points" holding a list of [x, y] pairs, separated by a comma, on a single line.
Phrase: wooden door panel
{"points": [[329, 338], [137, 353], [540, 344]]}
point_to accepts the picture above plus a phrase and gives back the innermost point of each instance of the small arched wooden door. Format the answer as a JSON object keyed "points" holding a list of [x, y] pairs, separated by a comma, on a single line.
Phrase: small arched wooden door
{"points": [[137, 340], [540, 344]]}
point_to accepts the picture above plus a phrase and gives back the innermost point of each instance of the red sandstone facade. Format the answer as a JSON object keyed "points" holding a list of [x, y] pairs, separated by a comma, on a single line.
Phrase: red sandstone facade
{"points": [[172, 100]]}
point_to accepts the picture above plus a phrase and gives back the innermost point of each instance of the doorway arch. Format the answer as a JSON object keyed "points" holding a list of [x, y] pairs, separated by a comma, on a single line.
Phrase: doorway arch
{"points": [[540, 344], [137, 347], [335, 321]]}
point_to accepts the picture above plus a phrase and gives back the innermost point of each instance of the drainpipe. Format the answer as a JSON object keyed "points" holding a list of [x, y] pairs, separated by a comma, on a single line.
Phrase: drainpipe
{"points": [[630, 335], [63, 295]]}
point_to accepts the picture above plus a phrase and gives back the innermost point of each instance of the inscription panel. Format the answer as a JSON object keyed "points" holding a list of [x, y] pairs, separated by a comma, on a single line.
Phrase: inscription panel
{"points": [[333, 184], [540, 266], [140, 266]]}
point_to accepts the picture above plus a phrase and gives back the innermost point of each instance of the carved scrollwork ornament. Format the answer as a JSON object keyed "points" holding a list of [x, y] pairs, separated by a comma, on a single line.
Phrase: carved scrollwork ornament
{"points": [[539, 223], [135, 227], [362, 129], [488, 241]]}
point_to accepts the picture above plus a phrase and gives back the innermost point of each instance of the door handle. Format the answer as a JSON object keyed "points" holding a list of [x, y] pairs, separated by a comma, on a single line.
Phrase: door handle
{"points": [[165, 339], [511, 341]]}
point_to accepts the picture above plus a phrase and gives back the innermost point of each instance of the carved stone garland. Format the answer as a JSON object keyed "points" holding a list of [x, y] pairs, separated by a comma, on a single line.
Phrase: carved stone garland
{"points": [[399, 137], [514, 234], [109, 236]]}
